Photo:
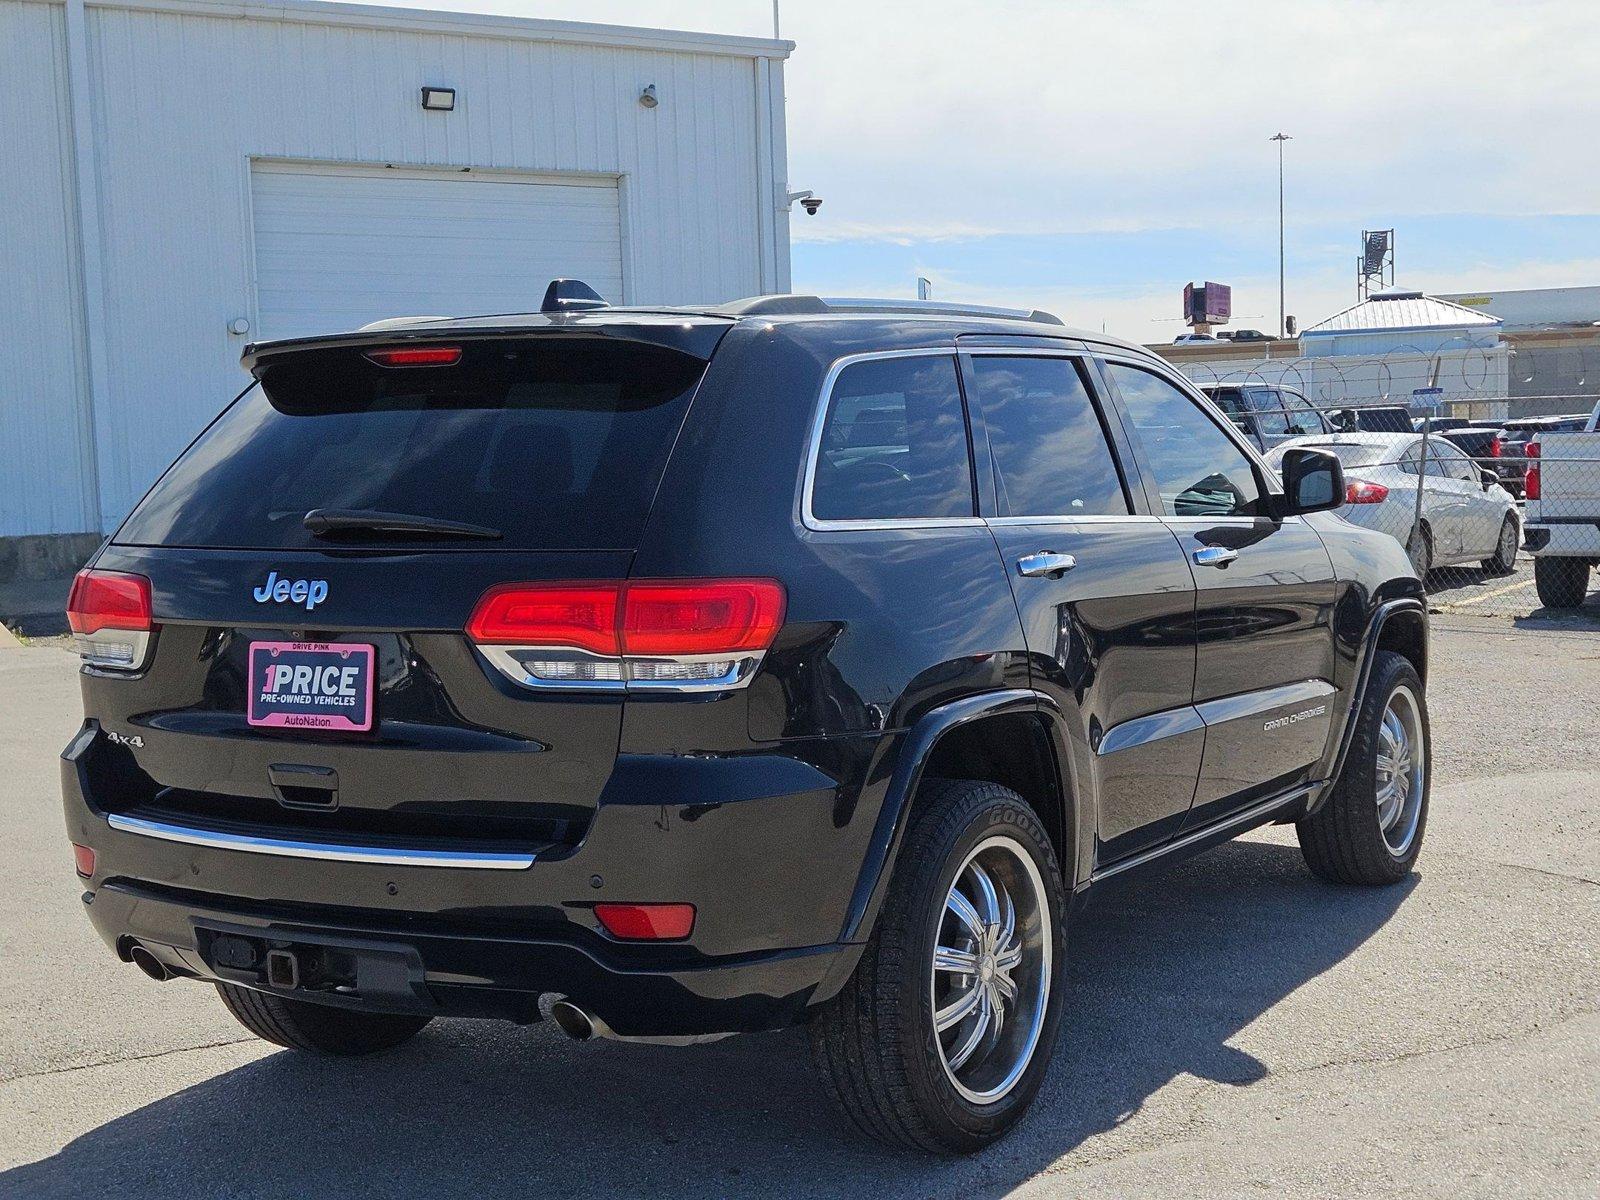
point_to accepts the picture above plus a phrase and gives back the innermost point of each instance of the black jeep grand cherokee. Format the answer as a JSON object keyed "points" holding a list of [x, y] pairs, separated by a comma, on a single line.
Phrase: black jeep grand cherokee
{"points": [[674, 673]]}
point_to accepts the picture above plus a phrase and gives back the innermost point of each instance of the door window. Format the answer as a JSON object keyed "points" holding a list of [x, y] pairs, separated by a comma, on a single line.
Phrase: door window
{"points": [[1455, 464], [894, 444], [1051, 456], [1302, 417], [1271, 417], [1198, 469]]}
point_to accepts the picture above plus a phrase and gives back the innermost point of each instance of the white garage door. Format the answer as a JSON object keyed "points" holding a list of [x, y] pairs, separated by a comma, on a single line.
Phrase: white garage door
{"points": [[337, 247]]}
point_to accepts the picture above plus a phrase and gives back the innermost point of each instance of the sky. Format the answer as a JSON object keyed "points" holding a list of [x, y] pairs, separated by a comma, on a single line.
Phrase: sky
{"points": [[1092, 158]]}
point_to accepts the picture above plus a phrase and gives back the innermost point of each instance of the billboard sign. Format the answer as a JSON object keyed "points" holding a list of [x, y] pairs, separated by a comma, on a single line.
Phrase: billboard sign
{"points": [[1208, 304]]}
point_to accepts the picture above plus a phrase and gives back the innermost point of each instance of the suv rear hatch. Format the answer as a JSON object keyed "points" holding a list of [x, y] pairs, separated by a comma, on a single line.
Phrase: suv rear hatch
{"points": [[325, 541]]}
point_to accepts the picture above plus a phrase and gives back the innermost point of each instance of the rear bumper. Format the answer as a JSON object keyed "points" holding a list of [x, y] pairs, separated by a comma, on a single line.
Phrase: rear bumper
{"points": [[386, 967], [769, 866], [1570, 539]]}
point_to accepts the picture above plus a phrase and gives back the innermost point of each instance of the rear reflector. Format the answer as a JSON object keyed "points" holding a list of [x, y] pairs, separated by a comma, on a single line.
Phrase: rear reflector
{"points": [[1364, 491], [655, 633], [646, 922], [83, 859], [417, 356], [109, 613]]}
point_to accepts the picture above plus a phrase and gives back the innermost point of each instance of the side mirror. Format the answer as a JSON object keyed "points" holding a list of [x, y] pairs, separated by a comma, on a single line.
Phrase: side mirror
{"points": [[1313, 481], [1490, 479]]}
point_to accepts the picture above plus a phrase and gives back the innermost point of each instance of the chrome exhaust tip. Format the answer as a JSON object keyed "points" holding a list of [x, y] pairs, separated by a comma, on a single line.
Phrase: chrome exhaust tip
{"points": [[149, 963], [574, 1022]]}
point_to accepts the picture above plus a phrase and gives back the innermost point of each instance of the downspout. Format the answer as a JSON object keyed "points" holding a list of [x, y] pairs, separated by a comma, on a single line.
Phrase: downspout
{"points": [[90, 256]]}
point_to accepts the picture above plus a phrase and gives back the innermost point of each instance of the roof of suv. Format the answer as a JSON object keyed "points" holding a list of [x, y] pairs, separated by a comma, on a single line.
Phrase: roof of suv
{"points": [[774, 308]]}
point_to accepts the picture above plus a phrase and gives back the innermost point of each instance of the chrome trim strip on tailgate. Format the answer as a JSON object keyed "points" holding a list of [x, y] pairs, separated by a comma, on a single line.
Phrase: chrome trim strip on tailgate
{"points": [[330, 851]]}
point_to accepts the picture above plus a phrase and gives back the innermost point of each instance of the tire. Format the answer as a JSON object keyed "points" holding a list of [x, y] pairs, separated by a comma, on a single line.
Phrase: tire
{"points": [[1355, 837], [1561, 582], [318, 1028], [1419, 549], [875, 1044], [1504, 559]]}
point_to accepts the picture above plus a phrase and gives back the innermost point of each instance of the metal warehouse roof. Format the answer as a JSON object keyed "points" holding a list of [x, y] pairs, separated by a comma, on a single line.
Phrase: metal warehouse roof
{"points": [[1397, 309]]}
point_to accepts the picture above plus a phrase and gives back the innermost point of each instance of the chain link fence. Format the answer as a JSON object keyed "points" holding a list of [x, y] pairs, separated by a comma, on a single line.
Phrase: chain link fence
{"points": [[1499, 514]]}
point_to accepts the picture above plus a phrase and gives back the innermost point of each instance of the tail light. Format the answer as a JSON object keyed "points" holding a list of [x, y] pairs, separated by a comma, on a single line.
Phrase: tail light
{"points": [[109, 613], [665, 634], [1530, 480], [417, 356], [1494, 447], [1364, 491], [647, 922]]}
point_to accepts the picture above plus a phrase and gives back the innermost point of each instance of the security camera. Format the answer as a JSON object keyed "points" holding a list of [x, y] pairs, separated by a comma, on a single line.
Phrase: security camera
{"points": [[808, 201]]}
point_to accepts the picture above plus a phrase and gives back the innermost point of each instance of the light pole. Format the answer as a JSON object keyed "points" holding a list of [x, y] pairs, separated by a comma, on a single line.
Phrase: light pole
{"points": [[1280, 138]]}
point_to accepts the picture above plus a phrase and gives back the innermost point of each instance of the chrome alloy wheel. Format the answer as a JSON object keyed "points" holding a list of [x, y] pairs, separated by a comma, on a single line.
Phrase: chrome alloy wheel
{"points": [[1401, 771], [991, 970]]}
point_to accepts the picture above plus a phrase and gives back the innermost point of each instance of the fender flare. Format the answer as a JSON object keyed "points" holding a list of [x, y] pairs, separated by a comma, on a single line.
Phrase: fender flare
{"points": [[1338, 751], [872, 883]]}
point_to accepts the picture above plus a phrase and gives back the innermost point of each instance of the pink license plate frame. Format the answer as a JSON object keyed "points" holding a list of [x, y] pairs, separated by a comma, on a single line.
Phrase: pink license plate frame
{"points": [[310, 697]]}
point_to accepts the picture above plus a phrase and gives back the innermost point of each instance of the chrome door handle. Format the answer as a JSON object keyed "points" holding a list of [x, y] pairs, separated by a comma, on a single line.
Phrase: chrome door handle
{"points": [[1045, 564], [1214, 556]]}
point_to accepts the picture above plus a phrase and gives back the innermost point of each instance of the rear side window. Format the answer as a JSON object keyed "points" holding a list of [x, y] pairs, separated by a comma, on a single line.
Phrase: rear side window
{"points": [[1051, 457], [556, 442], [894, 443]]}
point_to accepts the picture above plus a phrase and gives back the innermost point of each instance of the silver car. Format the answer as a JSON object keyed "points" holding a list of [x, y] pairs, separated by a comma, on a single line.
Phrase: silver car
{"points": [[1466, 517]]}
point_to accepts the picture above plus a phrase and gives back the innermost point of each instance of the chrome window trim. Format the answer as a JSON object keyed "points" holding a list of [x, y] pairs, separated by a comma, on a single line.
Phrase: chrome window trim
{"points": [[804, 516], [1068, 519], [327, 851]]}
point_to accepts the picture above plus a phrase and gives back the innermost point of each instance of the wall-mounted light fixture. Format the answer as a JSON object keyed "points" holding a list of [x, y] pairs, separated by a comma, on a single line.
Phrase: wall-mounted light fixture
{"points": [[439, 99], [648, 97]]}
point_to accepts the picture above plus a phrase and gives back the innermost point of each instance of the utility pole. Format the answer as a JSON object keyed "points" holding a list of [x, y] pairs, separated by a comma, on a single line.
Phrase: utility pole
{"points": [[1280, 137], [776, 34]]}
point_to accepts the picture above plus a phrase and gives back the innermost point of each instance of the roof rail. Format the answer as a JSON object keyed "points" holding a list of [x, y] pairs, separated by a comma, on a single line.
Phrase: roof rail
{"points": [[790, 305]]}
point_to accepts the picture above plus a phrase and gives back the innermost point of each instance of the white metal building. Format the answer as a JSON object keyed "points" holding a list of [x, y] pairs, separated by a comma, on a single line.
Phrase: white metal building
{"points": [[179, 177], [1400, 321]]}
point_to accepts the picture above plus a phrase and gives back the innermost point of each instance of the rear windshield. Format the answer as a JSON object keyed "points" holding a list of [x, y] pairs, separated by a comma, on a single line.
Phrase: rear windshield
{"points": [[554, 442]]}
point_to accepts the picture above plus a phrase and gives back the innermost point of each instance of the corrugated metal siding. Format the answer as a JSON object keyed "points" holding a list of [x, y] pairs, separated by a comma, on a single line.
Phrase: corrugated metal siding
{"points": [[44, 442], [339, 247], [181, 104]]}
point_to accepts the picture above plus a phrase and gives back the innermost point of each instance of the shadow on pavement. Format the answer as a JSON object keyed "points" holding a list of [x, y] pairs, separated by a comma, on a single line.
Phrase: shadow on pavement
{"points": [[1162, 975]]}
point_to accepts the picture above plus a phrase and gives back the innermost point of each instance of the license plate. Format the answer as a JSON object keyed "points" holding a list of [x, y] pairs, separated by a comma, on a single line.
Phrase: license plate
{"points": [[310, 685]]}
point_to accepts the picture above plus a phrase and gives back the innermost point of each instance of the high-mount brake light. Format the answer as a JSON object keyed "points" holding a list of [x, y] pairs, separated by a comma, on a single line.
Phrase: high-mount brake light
{"points": [[109, 614], [652, 634], [417, 356], [1364, 491]]}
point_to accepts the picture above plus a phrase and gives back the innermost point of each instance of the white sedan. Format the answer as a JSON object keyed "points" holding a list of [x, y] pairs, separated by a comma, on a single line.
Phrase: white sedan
{"points": [[1466, 516]]}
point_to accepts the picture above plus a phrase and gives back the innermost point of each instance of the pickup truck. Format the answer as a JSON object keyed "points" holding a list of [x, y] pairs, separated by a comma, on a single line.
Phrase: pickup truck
{"points": [[1562, 487]]}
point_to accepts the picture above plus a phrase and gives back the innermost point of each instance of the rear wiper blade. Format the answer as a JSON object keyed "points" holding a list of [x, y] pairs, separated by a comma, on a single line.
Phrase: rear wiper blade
{"points": [[326, 522]]}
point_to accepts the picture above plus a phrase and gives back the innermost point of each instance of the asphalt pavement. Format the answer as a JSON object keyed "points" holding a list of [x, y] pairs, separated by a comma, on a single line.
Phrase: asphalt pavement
{"points": [[1235, 1027]]}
